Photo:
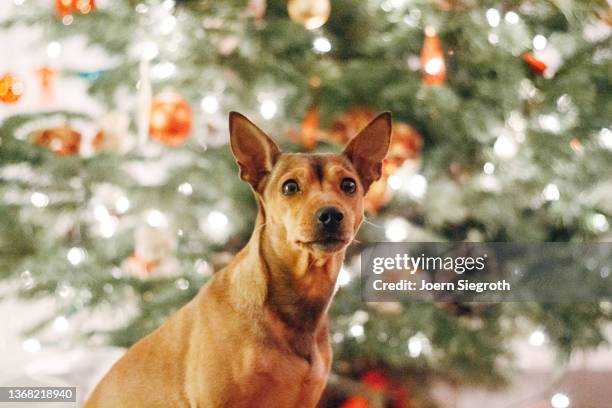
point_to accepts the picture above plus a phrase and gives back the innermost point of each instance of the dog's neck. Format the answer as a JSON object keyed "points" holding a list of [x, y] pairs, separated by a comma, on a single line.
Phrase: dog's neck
{"points": [[299, 286]]}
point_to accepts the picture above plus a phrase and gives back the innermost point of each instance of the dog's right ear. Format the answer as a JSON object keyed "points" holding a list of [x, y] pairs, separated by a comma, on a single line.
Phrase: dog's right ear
{"points": [[368, 149], [254, 151]]}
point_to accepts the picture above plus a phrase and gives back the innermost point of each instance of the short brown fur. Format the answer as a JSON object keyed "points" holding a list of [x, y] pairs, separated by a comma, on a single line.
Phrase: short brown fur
{"points": [[256, 335]]}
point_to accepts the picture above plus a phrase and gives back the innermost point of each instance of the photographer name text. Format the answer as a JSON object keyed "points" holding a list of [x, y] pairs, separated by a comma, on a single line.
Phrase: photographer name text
{"points": [[461, 285]]}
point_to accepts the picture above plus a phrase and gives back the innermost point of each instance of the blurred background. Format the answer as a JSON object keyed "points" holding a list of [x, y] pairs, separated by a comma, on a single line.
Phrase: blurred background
{"points": [[119, 197]]}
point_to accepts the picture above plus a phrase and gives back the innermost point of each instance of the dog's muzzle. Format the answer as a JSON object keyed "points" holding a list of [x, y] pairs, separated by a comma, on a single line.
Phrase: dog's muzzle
{"points": [[330, 237]]}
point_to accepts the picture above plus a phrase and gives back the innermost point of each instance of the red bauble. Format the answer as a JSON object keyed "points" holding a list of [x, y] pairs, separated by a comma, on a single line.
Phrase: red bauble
{"points": [[347, 125], [535, 64], [11, 89], [63, 140], [84, 6], [65, 7], [171, 119], [376, 380], [356, 402], [378, 195], [310, 133], [406, 144]]}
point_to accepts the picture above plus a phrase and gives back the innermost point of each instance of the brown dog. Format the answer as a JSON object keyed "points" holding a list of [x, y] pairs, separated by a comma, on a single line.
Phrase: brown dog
{"points": [[256, 335]]}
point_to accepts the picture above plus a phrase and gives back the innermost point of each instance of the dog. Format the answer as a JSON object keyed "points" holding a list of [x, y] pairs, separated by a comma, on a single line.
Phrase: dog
{"points": [[256, 335]]}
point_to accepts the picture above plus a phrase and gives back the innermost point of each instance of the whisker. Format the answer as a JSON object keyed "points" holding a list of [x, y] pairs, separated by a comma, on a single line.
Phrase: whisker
{"points": [[260, 226], [367, 221]]}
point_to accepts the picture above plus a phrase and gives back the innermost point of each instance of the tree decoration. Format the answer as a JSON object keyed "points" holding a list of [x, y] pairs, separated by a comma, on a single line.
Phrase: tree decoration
{"points": [[311, 14], [66, 7], [348, 124], [375, 380], [114, 135], [545, 61], [63, 141], [11, 88], [395, 394], [432, 59], [378, 195], [356, 402], [257, 8], [47, 77], [406, 142], [171, 119], [310, 133], [576, 145], [153, 255], [535, 64], [406, 145], [383, 389], [447, 5], [85, 6]]}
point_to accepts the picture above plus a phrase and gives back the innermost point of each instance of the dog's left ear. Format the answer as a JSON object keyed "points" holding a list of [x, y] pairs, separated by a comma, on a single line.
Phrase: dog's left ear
{"points": [[254, 151], [368, 149]]}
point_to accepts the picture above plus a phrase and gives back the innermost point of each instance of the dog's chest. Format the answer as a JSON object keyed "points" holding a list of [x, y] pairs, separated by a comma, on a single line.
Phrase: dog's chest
{"points": [[274, 378]]}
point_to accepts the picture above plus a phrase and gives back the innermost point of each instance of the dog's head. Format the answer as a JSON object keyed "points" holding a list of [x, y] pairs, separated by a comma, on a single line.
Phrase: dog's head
{"points": [[310, 201]]}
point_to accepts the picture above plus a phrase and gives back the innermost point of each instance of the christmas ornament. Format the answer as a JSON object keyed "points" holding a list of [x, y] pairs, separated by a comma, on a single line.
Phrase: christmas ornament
{"points": [[61, 140], [153, 254], [356, 402], [11, 88], [171, 119], [84, 6], [395, 394], [66, 7], [376, 380], [314, 81], [311, 14], [310, 132], [576, 145], [432, 59], [535, 64], [114, 135], [47, 77], [545, 62], [406, 145], [145, 92], [447, 5], [406, 142], [349, 124], [378, 195], [257, 8], [388, 307], [228, 44]]}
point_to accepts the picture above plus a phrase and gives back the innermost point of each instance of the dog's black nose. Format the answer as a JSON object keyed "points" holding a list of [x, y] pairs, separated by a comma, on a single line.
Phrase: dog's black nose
{"points": [[330, 218]]}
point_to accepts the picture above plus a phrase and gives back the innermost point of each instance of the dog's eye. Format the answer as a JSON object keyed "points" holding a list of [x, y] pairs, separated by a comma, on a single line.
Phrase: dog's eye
{"points": [[348, 185], [290, 187]]}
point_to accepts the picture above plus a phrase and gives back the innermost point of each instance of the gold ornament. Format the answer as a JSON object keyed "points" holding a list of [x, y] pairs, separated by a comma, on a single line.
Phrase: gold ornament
{"points": [[311, 14], [11, 88]]}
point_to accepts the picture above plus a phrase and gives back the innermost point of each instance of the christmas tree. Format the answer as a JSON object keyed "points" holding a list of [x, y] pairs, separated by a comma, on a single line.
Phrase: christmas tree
{"points": [[501, 133]]}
